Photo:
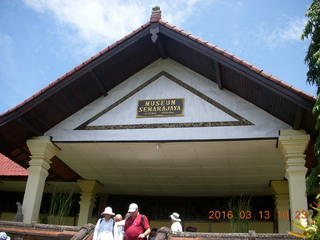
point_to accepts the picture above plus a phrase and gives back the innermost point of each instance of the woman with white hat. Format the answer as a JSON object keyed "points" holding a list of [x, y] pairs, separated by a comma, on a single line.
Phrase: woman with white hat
{"points": [[176, 225], [4, 236], [104, 226]]}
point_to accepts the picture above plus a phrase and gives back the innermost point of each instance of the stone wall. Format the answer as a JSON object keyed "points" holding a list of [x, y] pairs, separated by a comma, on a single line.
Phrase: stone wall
{"points": [[165, 233], [35, 231], [22, 231]]}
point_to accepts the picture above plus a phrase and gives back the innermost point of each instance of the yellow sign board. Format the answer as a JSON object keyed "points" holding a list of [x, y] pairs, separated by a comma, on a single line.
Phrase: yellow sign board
{"points": [[172, 107]]}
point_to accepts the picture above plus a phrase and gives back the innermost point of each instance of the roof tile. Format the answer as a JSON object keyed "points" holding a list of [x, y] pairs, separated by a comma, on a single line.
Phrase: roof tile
{"points": [[237, 59], [284, 84], [296, 90], [246, 64], [265, 74], [226, 54], [275, 79], [209, 45], [10, 168], [193, 37], [218, 50], [256, 69]]}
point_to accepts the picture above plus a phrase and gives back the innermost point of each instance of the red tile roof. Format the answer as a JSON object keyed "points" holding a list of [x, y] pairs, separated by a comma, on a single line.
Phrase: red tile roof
{"points": [[10, 168], [157, 18]]}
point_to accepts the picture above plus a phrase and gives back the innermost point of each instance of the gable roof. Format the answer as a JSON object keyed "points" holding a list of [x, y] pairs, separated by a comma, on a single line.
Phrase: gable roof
{"points": [[10, 168], [113, 65]]}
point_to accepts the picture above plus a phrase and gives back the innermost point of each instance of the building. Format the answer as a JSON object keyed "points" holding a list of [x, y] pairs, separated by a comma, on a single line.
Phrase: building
{"points": [[169, 121]]}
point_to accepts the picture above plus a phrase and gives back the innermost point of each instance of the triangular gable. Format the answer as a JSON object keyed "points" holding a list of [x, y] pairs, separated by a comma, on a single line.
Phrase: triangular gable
{"points": [[209, 113], [234, 118]]}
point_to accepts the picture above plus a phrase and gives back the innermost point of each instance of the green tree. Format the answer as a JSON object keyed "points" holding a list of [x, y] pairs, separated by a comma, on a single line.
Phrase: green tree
{"points": [[312, 31]]}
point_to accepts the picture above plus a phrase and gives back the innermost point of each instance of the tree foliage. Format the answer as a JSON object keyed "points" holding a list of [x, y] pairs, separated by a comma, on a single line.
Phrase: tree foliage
{"points": [[312, 31]]}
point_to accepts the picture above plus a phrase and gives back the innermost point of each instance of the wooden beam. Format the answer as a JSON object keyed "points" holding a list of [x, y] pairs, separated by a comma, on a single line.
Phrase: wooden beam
{"points": [[98, 82], [30, 126], [298, 118], [218, 74]]}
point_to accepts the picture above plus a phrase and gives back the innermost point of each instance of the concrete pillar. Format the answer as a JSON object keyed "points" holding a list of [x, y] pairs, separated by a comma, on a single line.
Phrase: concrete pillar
{"points": [[281, 197], [292, 144], [42, 150], [89, 188]]}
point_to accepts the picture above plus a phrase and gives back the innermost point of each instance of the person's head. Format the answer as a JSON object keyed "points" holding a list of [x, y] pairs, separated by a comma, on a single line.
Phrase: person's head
{"points": [[127, 216], [133, 210], [118, 218], [107, 213], [4, 236], [175, 217], [153, 231]]}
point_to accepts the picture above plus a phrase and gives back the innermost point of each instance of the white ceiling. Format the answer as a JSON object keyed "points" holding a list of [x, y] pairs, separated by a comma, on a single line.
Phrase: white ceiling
{"points": [[178, 168]]}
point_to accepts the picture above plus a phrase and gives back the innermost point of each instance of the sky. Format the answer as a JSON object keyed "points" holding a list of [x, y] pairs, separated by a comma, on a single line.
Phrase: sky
{"points": [[41, 40]]}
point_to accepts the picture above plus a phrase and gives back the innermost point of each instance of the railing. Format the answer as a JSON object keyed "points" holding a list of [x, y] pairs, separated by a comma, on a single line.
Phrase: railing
{"points": [[165, 233], [35, 231], [23, 231]]}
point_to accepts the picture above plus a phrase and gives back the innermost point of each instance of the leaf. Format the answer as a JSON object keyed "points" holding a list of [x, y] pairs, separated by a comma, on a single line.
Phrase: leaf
{"points": [[312, 229], [299, 226], [300, 235]]}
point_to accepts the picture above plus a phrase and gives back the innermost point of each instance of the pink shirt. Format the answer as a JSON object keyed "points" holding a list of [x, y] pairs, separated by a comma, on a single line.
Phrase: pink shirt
{"points": [[134, 227]]}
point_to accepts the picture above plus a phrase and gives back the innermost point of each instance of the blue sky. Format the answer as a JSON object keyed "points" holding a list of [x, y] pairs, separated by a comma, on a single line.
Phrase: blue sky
{"points": [[41, 40]]}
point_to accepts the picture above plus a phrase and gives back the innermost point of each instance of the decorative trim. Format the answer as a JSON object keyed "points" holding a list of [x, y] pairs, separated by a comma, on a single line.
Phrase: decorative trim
{"points": [[154, 33], [169, 125], [241, 121]]}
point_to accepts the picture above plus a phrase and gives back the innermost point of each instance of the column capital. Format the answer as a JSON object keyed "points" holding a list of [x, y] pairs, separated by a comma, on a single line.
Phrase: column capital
{"points": [[279, 187], [42, 148], [89, 189], [91, 186], [87, 197], [293, 142], [295, 166]]}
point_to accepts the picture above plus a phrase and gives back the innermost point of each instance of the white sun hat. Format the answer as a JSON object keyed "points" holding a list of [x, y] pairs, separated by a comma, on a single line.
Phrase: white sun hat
{"points": [[107, 210], [175, 216], [132, 208], [4, 236]]}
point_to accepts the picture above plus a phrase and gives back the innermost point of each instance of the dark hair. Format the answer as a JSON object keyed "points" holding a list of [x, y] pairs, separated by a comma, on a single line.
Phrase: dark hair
{"points": [[154, 229]]}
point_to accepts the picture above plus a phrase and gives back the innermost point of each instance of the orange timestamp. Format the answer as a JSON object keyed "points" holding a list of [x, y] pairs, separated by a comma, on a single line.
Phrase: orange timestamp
{"points": [[262, 215], [242, 215]]}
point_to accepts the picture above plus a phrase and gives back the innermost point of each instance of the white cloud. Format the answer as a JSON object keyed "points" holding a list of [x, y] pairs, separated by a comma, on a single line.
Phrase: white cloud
{"points": [[6, 55], [291, 31], [95, 24]]}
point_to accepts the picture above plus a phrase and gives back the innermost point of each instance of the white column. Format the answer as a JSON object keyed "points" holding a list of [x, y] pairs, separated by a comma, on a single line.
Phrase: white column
{"points": [[292, 144], [89, 188], [281, 197], [42, 150]]}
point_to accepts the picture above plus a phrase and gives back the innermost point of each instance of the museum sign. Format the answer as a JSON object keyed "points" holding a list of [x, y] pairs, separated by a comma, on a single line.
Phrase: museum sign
{"points": [[173, 107]]}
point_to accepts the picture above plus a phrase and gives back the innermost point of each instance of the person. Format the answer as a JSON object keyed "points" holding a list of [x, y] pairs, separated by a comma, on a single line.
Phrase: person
{"points": [[119, 227], [104, 227], [153, 233], [137, 225], [4, 236], [176, 225]]}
